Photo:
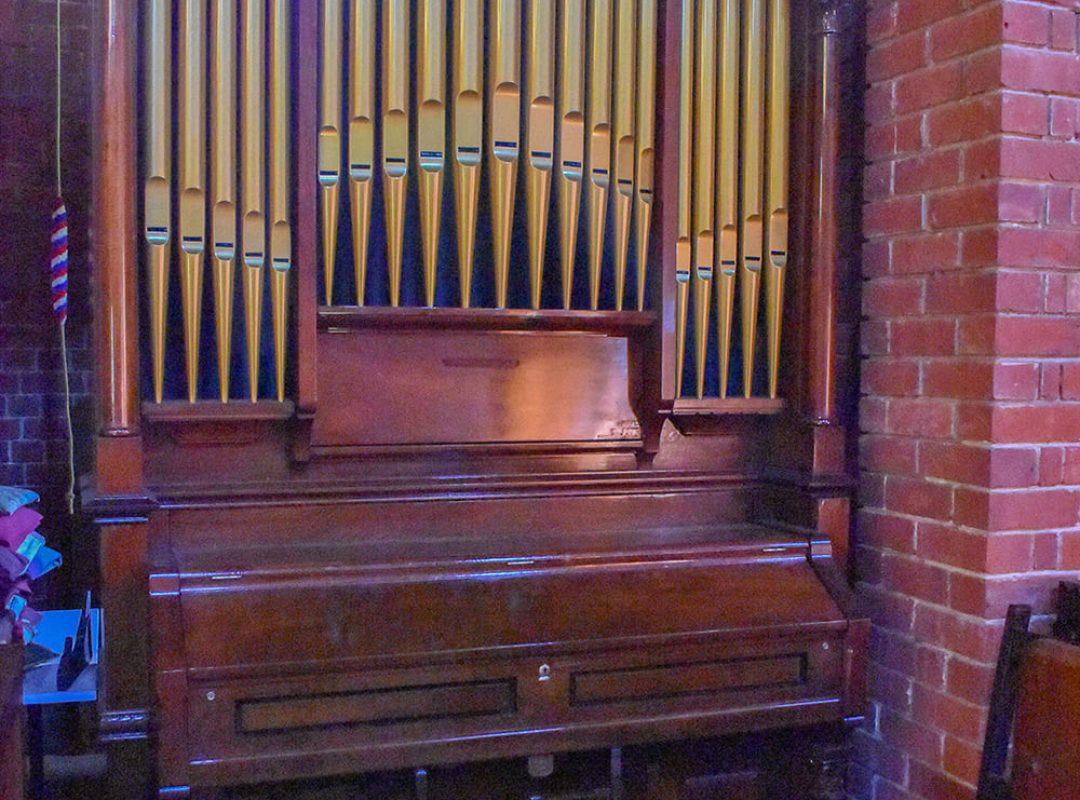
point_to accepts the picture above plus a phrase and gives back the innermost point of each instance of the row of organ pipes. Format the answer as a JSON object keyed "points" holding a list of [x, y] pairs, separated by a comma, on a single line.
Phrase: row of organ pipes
{"points": [[608, 35], [263, 234], [732, 154], [734, 95]]}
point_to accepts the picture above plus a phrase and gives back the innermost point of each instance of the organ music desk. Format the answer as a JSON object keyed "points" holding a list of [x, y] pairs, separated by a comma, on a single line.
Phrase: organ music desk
{"points": [[468, 385]]}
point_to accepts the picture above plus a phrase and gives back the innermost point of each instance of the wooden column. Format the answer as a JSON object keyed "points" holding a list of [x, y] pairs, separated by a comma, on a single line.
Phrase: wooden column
{"points": [[115, 248], [824, 235]]}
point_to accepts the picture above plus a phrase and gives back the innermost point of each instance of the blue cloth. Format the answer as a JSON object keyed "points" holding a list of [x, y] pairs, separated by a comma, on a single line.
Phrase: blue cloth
{"points": [[13, 498]]}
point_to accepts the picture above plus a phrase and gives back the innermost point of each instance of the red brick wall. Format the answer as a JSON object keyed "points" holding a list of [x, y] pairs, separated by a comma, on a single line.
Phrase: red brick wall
{"points": [[32, 447], [970, 446]]}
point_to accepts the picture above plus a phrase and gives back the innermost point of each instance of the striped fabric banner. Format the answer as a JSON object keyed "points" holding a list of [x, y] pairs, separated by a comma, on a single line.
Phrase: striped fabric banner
{"points": [[58, 263]]}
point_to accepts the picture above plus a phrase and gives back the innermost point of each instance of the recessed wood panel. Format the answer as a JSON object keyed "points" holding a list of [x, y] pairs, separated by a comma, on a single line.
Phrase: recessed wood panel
{"points": [[671, 680], [438, 387], [383, 707]]}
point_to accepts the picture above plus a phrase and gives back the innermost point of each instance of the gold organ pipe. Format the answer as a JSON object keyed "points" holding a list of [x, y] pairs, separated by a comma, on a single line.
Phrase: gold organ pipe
{"points": [[280, 232], [540, 136], [599, 141], [223, 115], [752, 184], [704, 187], [727, 207], [157, 210], [253, 142], [505, 132], [777, 199], [646, 155], [468, 131], [571, 137], [395, 50], [683, 245], [330, 137], [192, 133], [361, 134], [626, 57], [431, 133]]}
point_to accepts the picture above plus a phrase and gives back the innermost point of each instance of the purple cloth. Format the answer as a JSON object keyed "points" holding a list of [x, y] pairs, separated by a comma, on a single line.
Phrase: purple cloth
{"points": [[11, 565], [14, 528]]}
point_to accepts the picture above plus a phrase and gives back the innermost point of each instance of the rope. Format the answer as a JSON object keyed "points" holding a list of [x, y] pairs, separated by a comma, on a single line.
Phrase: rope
{"points": [[63, 325]]}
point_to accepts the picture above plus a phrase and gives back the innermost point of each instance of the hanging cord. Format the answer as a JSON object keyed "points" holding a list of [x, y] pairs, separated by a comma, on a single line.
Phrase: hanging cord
{"points": [[63, 322]]}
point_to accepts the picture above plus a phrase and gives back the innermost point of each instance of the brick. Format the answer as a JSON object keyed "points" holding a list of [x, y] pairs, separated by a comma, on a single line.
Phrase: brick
{"points": [[961, 293], [957, 379], [896, 57], [982, 71], [885, 531], [893, 296], [920, 336], [978, 247], [913, 417], [954, 462], [965, 121], [969, 680], [1020, 202], [1016, 380], [1063, 117], [947, 713], [917, 740], [892, 216], [925, 88], [1062, 29], [962, 760], [1025, 24], [1018, 291], [926, 252], [918, 498], [1025, 113], [966, 33], [964, 205], [1038, 70], [1050, 381], [1035, 423], [890, 454], [1014, 467], [966, 636], [1033, 509], [890, 377], [929, 783], [915, 578], [947, 544], [932, 170], [1035, 336], [1039, 159]]}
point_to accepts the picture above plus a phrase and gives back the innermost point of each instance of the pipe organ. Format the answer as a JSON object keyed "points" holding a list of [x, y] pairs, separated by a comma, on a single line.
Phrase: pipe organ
{"points": [[525, 418]]}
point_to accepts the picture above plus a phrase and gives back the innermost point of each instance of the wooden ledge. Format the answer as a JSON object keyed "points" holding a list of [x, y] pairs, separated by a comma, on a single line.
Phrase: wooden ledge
{"points": [[203, 411], [487, 319], [718, 415], [727, 405]]}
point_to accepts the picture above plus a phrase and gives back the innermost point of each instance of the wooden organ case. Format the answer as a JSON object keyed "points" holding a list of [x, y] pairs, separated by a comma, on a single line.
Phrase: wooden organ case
{"points": [[467, 378]]}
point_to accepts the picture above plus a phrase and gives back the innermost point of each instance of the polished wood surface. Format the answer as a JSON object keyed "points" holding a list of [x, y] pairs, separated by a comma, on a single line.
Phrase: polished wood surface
{"points": [[1046, 734], [824, 232], [469, 534], [114, 242]]}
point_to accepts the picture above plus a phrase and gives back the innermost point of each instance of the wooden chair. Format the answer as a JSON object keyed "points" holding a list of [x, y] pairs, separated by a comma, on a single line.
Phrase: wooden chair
{"points": [[1035, 703]]}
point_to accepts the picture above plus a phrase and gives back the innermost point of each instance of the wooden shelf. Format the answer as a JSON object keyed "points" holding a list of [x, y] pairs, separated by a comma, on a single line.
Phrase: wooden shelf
{"points": [[491, 319], [727, 405], [711, 415], [203, 411]]}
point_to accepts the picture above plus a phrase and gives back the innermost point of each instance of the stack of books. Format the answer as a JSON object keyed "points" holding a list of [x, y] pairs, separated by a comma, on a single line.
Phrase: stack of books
{"points": [[24, 558]]}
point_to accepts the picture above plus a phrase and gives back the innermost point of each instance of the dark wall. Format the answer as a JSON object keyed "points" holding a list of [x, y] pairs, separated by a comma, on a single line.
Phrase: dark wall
{"points": [[33, 449]]}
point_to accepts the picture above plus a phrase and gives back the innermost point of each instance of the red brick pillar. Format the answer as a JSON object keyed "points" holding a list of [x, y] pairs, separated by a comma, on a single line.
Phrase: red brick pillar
{"points": [[970, 445]]}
